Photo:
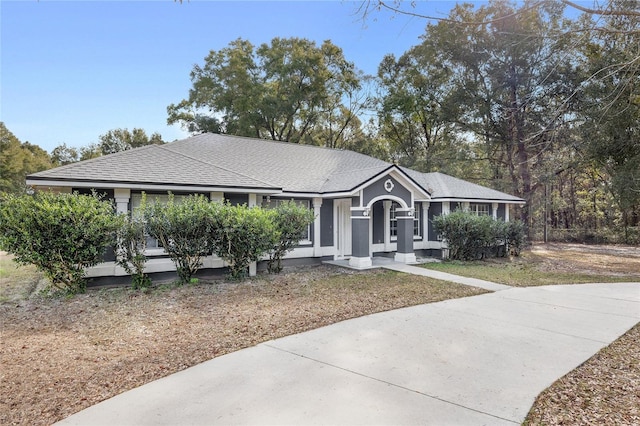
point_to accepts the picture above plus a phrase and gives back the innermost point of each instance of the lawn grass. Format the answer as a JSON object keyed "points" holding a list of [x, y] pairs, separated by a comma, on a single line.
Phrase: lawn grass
{"points": [[521, 273]]}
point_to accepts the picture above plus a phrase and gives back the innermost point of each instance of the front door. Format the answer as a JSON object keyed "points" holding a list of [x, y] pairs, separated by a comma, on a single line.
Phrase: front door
{"points": [[343, 228]]}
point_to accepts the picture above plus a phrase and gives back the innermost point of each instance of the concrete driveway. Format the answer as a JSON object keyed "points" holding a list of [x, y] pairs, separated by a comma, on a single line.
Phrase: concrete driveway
{"points": [[473, 361]]}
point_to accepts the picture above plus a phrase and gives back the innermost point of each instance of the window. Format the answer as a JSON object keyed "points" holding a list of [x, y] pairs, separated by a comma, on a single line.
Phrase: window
{"points": [[272, 204], [417, 231], [479, 209], [393, 221]]}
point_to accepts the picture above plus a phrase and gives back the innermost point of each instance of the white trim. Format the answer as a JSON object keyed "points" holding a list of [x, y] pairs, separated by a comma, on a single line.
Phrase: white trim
{"points": [[476, 200], [317, 249], [390, 198], [398, 175], [360, 262], [405, 257], [149, 187]]}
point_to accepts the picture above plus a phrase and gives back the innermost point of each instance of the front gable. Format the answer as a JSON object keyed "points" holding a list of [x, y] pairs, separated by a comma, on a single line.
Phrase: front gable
{"points": [[391, 183]]}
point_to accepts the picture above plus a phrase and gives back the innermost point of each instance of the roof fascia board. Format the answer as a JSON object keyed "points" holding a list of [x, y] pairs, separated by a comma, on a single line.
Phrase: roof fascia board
{"points": [[399, 175], [479, 200], [152, 187]]}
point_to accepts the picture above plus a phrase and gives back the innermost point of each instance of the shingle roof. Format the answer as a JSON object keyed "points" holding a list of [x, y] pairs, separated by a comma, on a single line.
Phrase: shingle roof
{"points": [[444, 186], [230, 161]]}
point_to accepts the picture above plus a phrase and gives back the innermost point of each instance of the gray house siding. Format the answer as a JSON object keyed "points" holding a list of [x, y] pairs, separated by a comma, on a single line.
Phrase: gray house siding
{"points": [[377, 189], [326, 223], [360, 246], [435, 209], [378, 222]]}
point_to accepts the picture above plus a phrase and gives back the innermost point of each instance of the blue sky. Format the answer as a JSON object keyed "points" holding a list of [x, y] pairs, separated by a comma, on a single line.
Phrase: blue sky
{"points": [[73, 70]]}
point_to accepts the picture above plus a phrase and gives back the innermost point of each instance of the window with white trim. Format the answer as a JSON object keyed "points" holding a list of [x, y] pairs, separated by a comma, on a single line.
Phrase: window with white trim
{"points": [[273, 203], [417, 229], [393, 220], [479, 209]]}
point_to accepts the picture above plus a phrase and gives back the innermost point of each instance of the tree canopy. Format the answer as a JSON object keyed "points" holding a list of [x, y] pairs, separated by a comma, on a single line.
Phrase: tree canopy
{"points": [[289, 90], [17, 160]]}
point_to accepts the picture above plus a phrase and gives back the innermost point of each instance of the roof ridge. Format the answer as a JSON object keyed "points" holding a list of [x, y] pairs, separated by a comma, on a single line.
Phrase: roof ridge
{"points": [[253, 139], [165, 147]]}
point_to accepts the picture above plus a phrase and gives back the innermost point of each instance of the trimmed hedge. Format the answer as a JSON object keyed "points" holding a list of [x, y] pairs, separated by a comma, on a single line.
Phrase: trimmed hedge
{"points": [[472, 237], [61, 234]]}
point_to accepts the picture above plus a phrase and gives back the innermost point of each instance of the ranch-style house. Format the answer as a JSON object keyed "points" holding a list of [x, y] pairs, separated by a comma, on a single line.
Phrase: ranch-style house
{"points": [[363, 206]]}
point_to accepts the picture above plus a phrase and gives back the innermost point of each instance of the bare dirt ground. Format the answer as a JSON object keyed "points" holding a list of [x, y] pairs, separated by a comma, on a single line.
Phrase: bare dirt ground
{"points": [[580, 258]]}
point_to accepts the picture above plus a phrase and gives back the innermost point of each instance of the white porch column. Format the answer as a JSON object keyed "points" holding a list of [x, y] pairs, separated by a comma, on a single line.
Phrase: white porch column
{"points": [[466, 206], [317, 248], [122, 196], [253, 267], [506, 212], [216, 196], [494, 210], [446, 207], [425, 223], [387, 221]]}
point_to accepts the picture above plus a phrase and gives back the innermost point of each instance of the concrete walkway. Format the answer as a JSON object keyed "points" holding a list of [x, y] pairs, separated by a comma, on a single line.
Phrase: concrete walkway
{"points": [[472, 361], [388, 263]]}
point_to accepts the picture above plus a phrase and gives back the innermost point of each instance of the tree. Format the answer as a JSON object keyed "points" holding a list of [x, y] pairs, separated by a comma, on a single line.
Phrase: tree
{"points": [[17, 160], [61, 234], [610, 109], [283, 91], [415, 117], [117, 140], [63, 155], [291, 222], [510, 81]]}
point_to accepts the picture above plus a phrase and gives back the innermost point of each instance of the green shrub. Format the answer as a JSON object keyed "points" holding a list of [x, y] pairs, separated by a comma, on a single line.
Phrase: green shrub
{"points": [[183, 229], [61, 234], [241, 235], [515, 237], [471, 237], [130, 247], [291, 221]]}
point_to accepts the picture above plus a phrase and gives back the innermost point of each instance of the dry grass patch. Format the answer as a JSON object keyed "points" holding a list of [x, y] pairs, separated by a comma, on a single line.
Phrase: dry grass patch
{"points": [[605, 390], [550, 264], [59, 356]]}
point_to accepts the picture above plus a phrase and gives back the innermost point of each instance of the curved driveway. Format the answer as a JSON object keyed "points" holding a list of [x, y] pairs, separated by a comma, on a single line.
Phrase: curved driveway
{"points": [[474, 361]]}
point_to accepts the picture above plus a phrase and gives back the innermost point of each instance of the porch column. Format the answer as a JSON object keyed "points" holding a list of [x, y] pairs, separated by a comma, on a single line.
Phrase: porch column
{"points": [[253, 267], [425, 224], [446, 207], [360, 238], [122, 196], [466, 206], [506, 212], [405, 252], [317, 249], [387, 221], [494, 210]]}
